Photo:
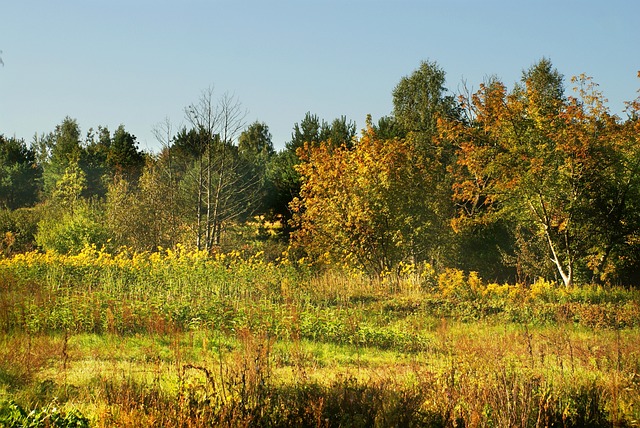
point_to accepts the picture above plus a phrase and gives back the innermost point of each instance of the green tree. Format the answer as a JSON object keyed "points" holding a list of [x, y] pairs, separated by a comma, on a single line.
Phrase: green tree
{"points": [[282, 174], [68, 232], [19, 174], [255, 149], [255, 142], [69, 187], [65, 150], [420, 98], [124, 158], [94, 162], [18, 228], [420, 101], [342, 132], [310, 130], [388, 128]]}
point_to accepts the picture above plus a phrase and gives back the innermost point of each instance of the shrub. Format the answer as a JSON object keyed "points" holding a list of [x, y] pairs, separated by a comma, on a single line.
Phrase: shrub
{"points": [[71, 232]]}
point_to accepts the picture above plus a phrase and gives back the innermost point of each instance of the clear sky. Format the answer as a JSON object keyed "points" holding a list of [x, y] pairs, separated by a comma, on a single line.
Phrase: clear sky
{"points": [[137, 62]]}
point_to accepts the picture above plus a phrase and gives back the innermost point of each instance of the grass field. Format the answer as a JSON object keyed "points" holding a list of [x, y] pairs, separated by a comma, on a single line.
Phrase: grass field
{"points": [[180, 339]]}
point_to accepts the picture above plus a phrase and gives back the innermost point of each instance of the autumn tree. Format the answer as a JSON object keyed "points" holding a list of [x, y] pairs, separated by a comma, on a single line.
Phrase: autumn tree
{"points": [[311, 131], [612, 211], [538, 161], [365, 206]]}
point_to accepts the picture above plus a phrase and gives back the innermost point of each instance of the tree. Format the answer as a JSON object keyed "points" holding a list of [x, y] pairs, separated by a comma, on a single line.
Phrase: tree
{"points": [[541, 162], [486, 237], [70, 232], [255, 149], [419, 99], [365, 206], [612, 211], [310, 130], [342, 132], [19, 174], [124, 158], [224, 192], [282, 174], [255, 141], [388, 128], [144, 216], [94, 162], [69, 187], [168, 169], [65, 150]]}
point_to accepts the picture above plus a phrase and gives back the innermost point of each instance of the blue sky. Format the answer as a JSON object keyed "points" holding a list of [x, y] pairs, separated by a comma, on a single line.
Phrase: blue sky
{"points": [[138, 62]]}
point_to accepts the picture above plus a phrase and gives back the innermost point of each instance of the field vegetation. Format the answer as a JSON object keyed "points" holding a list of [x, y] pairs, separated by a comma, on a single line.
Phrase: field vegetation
{"points": [[178, 338]]}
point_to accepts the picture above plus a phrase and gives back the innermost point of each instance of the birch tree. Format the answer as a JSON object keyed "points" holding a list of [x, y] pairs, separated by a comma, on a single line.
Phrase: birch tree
{"points": [[223, 191], [550, 165]]}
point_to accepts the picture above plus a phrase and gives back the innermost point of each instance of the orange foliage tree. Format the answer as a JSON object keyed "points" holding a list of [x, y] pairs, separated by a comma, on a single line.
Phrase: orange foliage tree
{"points": [[559, 170], [368, 206]]}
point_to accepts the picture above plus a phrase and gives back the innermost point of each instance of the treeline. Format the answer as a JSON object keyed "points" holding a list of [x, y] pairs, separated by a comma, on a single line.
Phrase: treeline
{"points": [[217, 184], [520, 183]]}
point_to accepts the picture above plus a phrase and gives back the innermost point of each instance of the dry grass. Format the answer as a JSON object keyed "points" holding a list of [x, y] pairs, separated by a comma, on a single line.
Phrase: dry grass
{"points": [[171, 343]]}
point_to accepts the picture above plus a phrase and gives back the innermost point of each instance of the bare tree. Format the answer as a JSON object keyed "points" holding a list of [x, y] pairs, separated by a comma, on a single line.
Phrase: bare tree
{"points": [[164, 135], [224, 192]]}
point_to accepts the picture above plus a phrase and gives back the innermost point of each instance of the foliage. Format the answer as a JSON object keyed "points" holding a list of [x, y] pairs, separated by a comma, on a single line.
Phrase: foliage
{"points": [[147, 215], [124, 158], [541, 164], [19, 174], [61, 149], [71, 231], [13, 415], [310, 130], [514, 183], [68, 189], [255, 150], [366, 206], [18, 229], [419, 99]]}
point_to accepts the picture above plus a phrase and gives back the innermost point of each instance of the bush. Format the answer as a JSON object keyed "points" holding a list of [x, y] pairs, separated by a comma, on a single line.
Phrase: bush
{"points": [[18, 229], [72, 231]]}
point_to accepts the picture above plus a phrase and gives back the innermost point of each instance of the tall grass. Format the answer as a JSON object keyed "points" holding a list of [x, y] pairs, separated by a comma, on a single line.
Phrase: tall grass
{"points": [[178, 338]]}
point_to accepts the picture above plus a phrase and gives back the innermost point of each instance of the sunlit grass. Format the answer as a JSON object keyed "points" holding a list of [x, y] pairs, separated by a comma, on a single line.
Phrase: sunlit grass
{"points": [[179, 338]]}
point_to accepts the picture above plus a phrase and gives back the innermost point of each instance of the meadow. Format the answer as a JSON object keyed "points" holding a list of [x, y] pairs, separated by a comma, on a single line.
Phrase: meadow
{"points": [[181, 339]]}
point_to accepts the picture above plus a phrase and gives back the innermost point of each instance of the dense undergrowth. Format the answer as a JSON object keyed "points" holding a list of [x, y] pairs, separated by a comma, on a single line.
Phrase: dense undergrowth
{"points": [[178, 338]]}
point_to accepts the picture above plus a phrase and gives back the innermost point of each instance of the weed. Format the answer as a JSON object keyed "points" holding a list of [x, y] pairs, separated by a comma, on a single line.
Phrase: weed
{"points": [[178, 338]]}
